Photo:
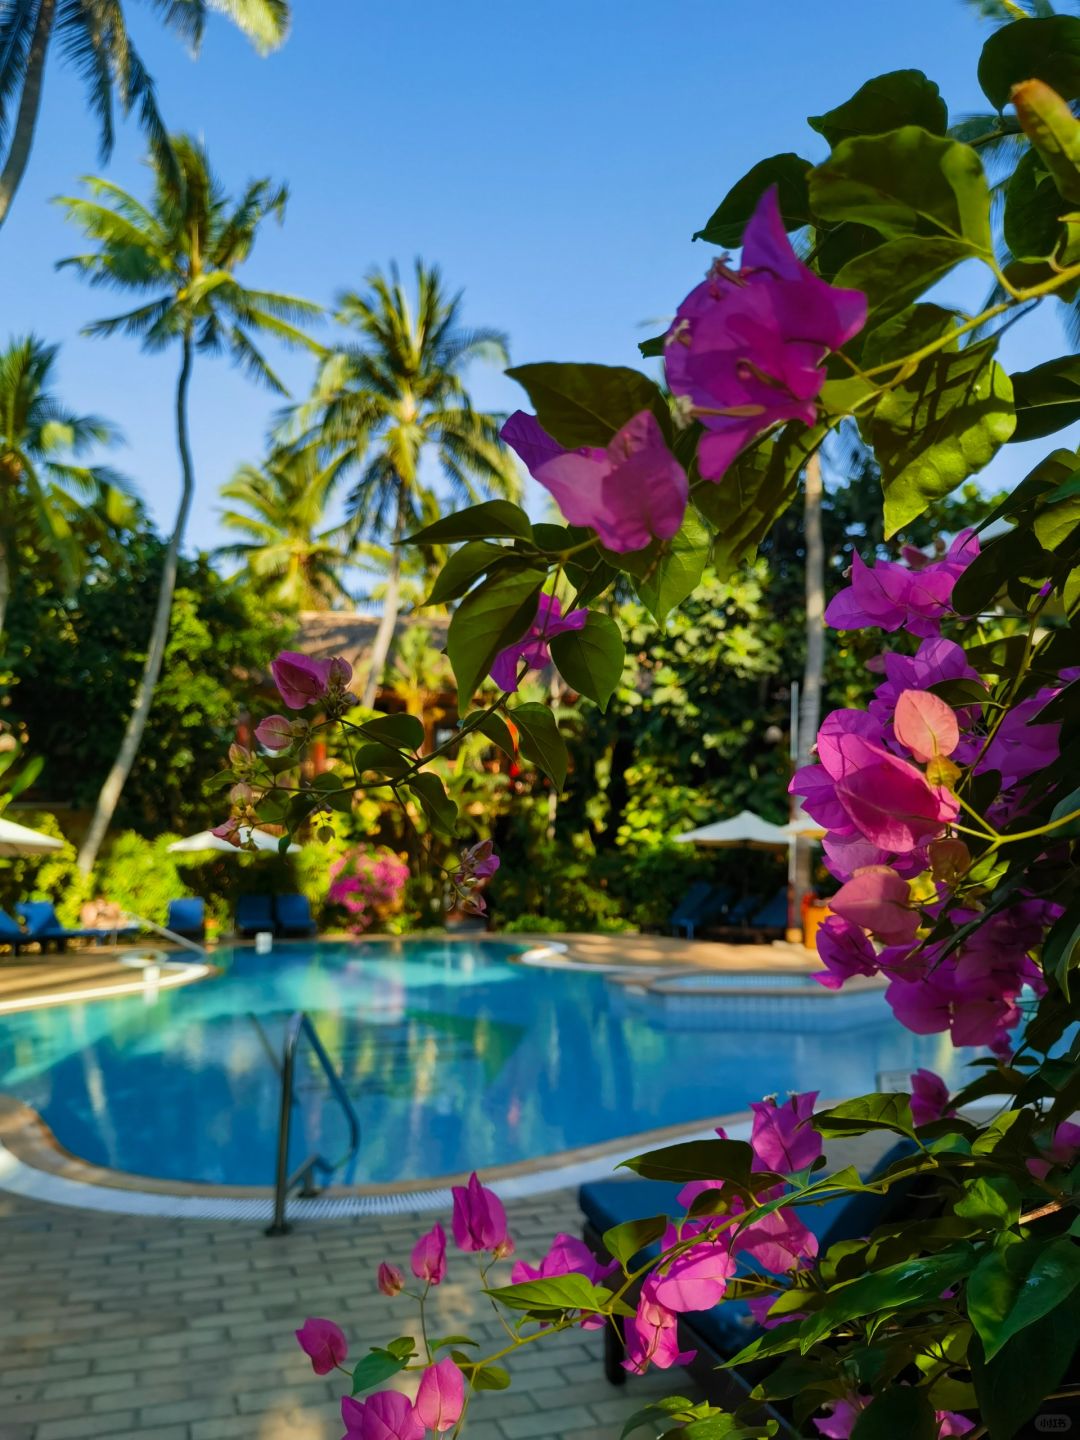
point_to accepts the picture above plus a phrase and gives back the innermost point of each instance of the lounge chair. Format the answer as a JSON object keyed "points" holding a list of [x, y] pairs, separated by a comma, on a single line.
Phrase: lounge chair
{"points": [[43, 926], [187, 918], [772, 917], [702, 904], [293, 914], [254, 913], [11, 932]]}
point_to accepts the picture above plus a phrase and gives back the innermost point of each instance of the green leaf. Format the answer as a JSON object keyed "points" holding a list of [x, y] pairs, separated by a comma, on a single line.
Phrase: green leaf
{"points": [[887, 1111], [1047, 397], [1015, 1285], [1045, 49], [624, 1241], [696, 1160], [1033, 209], [587, 404], [406, 732], [900, 97], [893, 1288], [383, 759], [494, 519], [591, 659], [404, 1347], [434, 801], [465, 566], [907, 182], [1055, 525], [487, 1377], [1012, 1387], [558, 1292], [487, 620], [1061, 948], [670, 1405], [993, 1201], [787, 172], [899, 1411], [894, 274], [540, 740], [676, 569], [445, 1340], [494, 727], [942, 425], [374, 1368]]}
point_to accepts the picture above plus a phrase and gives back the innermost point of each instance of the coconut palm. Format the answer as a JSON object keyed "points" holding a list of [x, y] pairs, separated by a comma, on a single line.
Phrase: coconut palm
{"points": [[46, 496], [179, 253], [390, 398], [281, 511], [92, 35]]}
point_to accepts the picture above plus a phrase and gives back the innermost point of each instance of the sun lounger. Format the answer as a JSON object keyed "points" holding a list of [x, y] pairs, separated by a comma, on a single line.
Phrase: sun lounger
{"points": [[44, 928], [187, 918], [293, 914], [11, 933], [254, 913]]}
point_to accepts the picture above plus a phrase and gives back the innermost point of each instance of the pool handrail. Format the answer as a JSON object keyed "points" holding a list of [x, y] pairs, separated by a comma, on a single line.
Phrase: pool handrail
{"points": [[297, 1027], [176, 939]]}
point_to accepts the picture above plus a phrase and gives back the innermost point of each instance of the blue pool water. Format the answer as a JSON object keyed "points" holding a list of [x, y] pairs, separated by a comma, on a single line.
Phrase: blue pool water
{"points": [[454, 1056]]}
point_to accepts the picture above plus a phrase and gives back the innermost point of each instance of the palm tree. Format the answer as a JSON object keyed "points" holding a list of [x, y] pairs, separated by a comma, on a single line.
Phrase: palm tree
{"points": [[287, 555], [180, 254], [45, 496], [394, 395], [93, 36], [814, 666]]}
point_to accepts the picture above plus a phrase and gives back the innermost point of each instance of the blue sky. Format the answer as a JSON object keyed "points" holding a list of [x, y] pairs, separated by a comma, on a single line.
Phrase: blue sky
{"points": [[554, 156]]}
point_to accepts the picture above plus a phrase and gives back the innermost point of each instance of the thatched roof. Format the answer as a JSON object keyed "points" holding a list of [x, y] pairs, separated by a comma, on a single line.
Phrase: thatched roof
{"points": [[350, 633]]}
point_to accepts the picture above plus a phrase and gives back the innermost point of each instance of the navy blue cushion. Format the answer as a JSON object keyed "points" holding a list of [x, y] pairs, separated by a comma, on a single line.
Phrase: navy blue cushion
{"points": [[294, 913]]}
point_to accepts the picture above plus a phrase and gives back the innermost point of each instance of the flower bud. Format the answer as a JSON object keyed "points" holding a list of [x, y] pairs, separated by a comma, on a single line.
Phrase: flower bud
{"points": [[390, 1279]]}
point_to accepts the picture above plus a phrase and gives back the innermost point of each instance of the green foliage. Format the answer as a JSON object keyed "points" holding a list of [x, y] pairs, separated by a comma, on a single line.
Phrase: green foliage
{"points": [[787, 172], [140, 875]]}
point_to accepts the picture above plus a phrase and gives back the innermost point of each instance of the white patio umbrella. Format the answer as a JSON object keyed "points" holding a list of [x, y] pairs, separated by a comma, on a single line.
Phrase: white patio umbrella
{"points": [[207, 840], [18, 840], [745, 829]]}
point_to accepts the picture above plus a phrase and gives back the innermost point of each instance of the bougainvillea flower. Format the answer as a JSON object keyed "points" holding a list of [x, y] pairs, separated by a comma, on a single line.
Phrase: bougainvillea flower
{"points": [[845, 950], [935, 1003], [925, 725], [390, 1279], [1022, 745], [274, 733], [887, 799], [479, 1218], [532, 648], [759, 1307], [843, 1415], [567, 1256], [889, 596], [428, 1258], [697, 1279], [652, 1336], [386, 1415], [324, 1344], [781, 1137], [302, 680], [1063, 1150], [778, 1242], [746, 348], [631, 492], [441, 1396], [929, 1097], [880, 901], [229, 830]]}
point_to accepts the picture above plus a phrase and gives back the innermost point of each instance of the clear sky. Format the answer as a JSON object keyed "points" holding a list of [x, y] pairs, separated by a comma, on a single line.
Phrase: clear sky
{"points": [[554, 156]]}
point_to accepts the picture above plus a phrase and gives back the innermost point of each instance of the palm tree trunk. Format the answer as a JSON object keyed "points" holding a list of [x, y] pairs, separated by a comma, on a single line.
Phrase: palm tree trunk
{"points": [[384, 635], [810, 698], [5, 583], [144, 697], [22, 136]]}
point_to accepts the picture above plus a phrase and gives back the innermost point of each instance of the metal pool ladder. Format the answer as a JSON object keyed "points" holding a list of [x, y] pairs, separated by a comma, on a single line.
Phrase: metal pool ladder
{"points": [[299, 1027]]}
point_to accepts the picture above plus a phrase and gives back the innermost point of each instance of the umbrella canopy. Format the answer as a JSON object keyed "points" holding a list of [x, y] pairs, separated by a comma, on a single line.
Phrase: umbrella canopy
{"points": [[207, 840], [18, 840], [801, 827], [746, 829]]}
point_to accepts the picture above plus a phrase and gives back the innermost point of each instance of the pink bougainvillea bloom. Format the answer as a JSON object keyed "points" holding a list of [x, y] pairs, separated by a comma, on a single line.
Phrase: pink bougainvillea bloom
{"points": [[781, 1137], [697, 1279], [888, 800], [841, 1418], [274, 733], [880, 901], [652, 1336], [746, 349], [532, 648], [778, 1242], [949, 1423], [567, 1256], [386, 1415], [479, 1218], [390, 1279], [630, 493], [324, 1344], [300, 679], [479, 862], [1063, 1150], [929, 1097], [845, 950], [925, 725], [429, 1256], [441, 1396], [228, 830], [888, 596]]}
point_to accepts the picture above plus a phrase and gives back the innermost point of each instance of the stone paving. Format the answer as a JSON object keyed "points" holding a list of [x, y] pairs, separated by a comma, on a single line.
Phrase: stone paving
{"points": [[138, 1329]]}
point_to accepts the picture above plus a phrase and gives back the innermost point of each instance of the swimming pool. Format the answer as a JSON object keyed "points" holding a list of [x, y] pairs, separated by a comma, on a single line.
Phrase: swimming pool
{"points": [[454, 1056]]}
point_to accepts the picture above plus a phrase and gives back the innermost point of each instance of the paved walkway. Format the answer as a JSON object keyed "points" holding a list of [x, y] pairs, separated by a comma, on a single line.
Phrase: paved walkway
{"points": [[138, 1329]]}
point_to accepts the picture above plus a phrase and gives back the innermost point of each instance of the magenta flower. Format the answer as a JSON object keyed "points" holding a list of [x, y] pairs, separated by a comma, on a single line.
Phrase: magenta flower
{"points": [[925, 725], [887, 799], [880, 901], [929, 1097], [274, 733], [747, 346], [1063, 1149], [630, 493], [781, 1136], [845, 950], [302, 680], [567, 1255], [891, 597], [479, 1218], [324, 1344], [390, 1279], [778, 1242], [696, 1280], [841, 1418], [386, 1415], [652, 1336], [429, 1256], [441, 1396], [228, 830], [532, 648]]}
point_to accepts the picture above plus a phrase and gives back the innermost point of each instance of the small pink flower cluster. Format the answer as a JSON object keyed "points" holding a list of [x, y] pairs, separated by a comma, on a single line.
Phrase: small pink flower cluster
{"points": [[369, 883], [844, 1414], [478, 863]]}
